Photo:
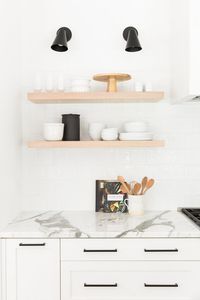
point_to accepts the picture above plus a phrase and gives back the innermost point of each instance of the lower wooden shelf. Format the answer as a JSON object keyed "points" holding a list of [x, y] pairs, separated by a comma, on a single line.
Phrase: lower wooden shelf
{"points": [[95, 144]]}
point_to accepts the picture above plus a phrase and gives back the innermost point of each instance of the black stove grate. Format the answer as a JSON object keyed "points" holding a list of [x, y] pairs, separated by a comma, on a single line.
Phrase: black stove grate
{"points": [[193, 214]]}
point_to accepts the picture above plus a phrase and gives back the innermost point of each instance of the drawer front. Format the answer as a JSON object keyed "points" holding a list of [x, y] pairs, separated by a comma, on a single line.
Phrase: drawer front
{"points": [[130, 249], [130, 280]]}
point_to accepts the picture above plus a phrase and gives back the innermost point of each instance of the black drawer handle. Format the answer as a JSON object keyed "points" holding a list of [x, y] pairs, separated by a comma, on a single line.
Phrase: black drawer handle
{"points": [[161, 250], [100, 250], [32, 245], [161, 285], [100, 285]]}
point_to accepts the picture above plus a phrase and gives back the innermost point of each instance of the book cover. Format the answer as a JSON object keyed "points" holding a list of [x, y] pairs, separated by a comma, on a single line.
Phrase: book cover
{"points": [[109, 197]]}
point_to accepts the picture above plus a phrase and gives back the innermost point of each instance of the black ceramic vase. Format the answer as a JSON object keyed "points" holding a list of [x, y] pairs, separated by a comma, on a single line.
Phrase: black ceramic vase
{"points": [[71, 127]]}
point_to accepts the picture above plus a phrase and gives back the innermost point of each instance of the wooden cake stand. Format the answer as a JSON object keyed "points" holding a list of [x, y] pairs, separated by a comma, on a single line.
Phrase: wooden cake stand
{"points": [[111, 80]]}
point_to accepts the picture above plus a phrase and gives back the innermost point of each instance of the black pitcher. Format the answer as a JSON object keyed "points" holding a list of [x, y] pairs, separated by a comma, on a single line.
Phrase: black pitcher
{"points": [[71, 127]]}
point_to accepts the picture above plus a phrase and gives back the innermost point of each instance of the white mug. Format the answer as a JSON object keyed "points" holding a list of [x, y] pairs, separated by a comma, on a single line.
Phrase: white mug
{"points": [[53, 131], [135, 205], [95, 131]]}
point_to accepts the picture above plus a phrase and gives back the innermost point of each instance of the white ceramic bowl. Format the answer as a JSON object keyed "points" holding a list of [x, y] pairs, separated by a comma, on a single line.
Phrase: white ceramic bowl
{"points": [[135, 127], [95, 130], [110, 131], [136, 136], [53, 131], [109, 136]]}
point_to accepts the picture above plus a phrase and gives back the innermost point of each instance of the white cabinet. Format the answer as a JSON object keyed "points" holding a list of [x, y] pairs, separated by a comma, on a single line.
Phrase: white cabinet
{"points": [[185, 82], [101, 269], [130, 280], [32, 269], [130, 269]]}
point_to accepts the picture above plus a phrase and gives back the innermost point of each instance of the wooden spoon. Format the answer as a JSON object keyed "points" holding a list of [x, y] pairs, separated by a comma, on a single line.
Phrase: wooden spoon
{"points": [[144, 183], [132, 183], [123, 189], [149, 184], [122, 180], [136, 188]]}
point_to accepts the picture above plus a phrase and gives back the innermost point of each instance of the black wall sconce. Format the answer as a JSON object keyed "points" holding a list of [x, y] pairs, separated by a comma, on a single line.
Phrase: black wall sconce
{"points": [[130, 35], [64, 34]]}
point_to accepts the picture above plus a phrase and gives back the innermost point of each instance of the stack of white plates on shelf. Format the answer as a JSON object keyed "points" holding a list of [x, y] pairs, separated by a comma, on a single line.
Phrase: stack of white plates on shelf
{"points": [[135, 131]]}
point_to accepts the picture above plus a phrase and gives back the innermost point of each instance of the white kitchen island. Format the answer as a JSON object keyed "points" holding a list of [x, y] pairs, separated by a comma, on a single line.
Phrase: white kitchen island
{"points": [[86, 255]]}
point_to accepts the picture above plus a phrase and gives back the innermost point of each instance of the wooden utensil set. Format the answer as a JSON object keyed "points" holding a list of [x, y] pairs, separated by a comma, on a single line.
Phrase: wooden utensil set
{"points": [[135, 188]]}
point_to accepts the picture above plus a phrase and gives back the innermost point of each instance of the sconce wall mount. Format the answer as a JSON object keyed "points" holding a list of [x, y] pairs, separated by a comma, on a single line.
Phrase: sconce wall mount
{"points": [[130, 35], [64, 35]]}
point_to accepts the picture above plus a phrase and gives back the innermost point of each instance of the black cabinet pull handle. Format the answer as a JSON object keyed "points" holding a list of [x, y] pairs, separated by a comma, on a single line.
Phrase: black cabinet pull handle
{"points": [[99, 250], [161, 285], [100, 285], [161, 250], [32, 245]]}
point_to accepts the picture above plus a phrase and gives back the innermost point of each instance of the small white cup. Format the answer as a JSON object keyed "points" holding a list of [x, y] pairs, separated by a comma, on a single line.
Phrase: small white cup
{"points": [[95, 130], [60, 83], [53, 131], [135, 205], [49, 82]]}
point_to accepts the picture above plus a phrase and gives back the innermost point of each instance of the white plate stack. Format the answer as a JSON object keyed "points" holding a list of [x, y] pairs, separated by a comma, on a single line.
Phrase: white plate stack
{"points": [[135, 131]]}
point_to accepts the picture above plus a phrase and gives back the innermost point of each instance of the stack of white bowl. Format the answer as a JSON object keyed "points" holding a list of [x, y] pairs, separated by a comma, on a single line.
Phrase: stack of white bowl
{"points": [[98, 131], [135, 131], [109, 134]]}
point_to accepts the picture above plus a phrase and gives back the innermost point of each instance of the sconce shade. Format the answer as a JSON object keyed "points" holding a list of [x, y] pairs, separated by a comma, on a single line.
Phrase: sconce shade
{"points": [[130, 34], [63, 36]]}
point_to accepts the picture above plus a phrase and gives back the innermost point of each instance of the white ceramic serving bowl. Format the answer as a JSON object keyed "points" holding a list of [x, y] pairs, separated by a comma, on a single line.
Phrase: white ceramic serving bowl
{"points": [[136, 136], [110, 130], [53, 131], [109, 136], [135, 127], [95, 130]]}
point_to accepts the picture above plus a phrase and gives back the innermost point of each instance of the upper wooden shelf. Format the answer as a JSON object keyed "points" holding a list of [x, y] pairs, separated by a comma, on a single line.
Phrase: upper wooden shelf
{"points": [[94, 97], [95, 144]]}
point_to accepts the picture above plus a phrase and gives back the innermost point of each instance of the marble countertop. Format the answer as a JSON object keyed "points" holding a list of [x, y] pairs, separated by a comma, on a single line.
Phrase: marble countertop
{"points": [[64, 224]]}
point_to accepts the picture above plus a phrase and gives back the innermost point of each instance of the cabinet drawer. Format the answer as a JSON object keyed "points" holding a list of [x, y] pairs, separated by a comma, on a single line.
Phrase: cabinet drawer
{"points": [[130, 280], [130, 249]]}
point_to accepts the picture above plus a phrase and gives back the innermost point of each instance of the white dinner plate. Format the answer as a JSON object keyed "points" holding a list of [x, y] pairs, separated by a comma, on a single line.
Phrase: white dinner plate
{"points": [[136, 136]]}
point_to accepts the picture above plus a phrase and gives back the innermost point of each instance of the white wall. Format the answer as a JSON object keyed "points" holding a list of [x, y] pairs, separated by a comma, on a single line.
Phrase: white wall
{"points": [[65, 178], [10, 110]]}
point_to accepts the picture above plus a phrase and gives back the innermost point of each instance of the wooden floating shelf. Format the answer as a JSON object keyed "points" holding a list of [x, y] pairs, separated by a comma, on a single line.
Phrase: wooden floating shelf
{"points": [[95, 144], [94, 97]]}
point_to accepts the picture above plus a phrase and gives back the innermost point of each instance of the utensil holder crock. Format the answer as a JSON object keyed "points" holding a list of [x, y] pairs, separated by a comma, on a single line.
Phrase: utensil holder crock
{"points": [[135, 205]]}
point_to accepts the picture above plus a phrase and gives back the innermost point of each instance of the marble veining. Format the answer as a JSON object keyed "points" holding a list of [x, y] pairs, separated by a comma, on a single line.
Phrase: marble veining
{"points": [[149, 223], [85, 224]]}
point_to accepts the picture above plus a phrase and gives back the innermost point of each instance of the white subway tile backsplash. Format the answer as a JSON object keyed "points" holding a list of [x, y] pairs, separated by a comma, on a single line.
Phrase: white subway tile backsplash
{"points": [[65, 178]]}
